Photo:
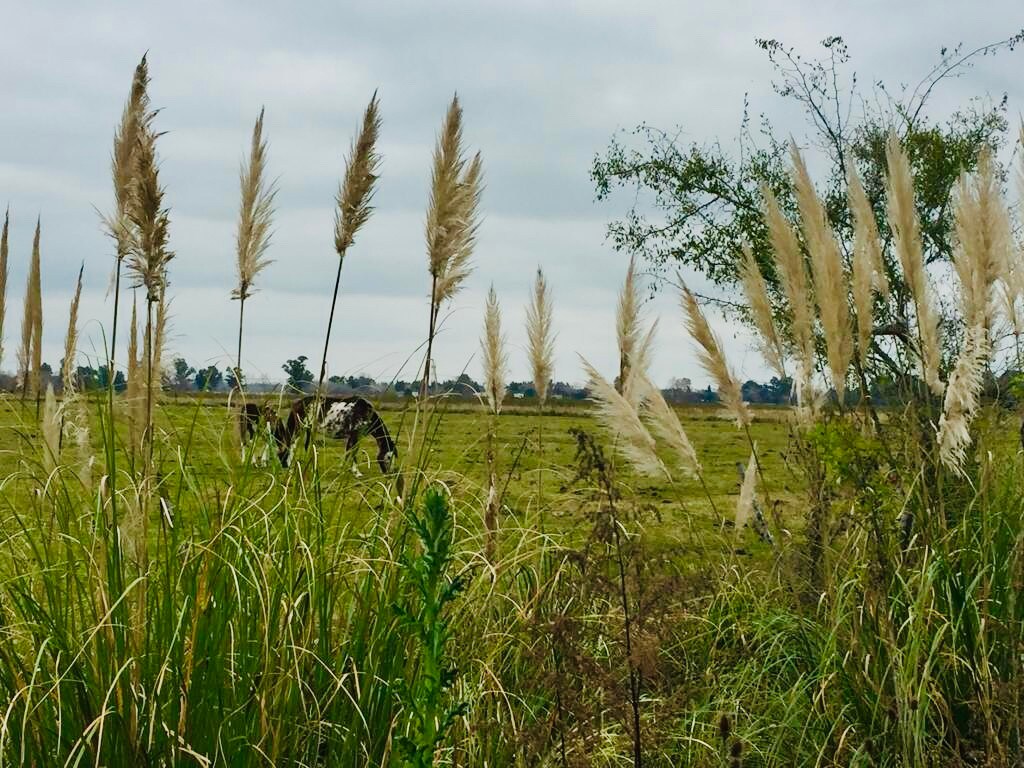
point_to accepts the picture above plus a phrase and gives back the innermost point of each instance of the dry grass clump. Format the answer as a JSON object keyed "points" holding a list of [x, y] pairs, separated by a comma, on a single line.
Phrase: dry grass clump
{"points": [[712, 359], [906, 229], [829, 277]]}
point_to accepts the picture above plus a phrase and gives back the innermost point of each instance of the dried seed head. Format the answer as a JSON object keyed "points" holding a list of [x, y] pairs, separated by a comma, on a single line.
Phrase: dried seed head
{"points": [[495, 357], [540, 334], [357, 187], [255, 215]]}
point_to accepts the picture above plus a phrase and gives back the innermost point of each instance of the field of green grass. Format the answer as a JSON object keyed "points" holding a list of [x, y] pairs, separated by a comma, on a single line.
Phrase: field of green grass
{"points": [[679, 508]]}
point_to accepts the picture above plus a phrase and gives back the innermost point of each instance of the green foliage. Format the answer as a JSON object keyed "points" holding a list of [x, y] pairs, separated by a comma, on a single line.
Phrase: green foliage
{"points": [[424, 616], [695, 203], [298, 374]]}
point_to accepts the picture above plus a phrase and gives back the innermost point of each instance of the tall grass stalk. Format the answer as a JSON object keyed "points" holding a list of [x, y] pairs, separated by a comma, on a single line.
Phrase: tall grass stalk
{"points": [[3, 276], [354, 199], [541, 338], [495, 360], [452, 221], [255, 215]]}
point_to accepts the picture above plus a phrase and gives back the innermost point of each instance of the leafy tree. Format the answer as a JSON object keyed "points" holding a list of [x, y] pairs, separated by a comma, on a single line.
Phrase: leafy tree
{"points": [[231, 381], [103, 379], [208, 379], [695, 203], [183, 373], [298, 374]]}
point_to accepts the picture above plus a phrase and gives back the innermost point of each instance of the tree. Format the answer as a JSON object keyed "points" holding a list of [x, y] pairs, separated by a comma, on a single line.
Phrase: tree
{"points": [[230, 379], [103, 379], [298, 374], [208, 379], [705, 199], [183, 373]]}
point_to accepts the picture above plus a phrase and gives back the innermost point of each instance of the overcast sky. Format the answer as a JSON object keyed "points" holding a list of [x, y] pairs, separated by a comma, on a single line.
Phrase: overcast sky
{"points": [[544, 86]]}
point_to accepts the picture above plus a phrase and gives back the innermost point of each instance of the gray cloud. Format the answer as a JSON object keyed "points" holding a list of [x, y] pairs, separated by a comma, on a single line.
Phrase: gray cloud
{"points": [[544, 86]]}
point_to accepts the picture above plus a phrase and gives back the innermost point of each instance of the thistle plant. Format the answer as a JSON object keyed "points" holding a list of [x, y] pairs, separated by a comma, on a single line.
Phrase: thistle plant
{"points": [[452, 222], [354, 199], [424, 615], [256, 212]]}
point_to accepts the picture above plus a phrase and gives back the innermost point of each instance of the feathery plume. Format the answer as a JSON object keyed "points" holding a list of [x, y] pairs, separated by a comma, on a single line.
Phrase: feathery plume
{"points": [[906, 230], [621, 421], [135, 120], [827, 272], [152, 382], [495, 358], [357, 187], [666, 425], [745, 502], [452, 224], [868, 268], [790, 263], [149, 255], [37, 315], [865, 233], [3, 277], [255, 214], [50, 431], [761, 310], [627, 322], [71, 342], [540, 335], [638, 365], [712, 359], [961, 401], [984, 251]]}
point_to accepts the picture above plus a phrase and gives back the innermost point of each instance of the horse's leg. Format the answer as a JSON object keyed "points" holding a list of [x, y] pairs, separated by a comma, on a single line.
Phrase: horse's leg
{"points": [[351, 443]]}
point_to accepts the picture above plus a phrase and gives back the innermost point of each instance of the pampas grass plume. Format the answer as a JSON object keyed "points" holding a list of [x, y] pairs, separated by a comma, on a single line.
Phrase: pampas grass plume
{"points": [[255, 215], [357, 188], [540, 335], [745, 502], [712, 359], [666, 425], [760, 306], [629, 435], [828, 274], [790, 264], [494, 355], [71, 342], [627, 322], [906, 229]]}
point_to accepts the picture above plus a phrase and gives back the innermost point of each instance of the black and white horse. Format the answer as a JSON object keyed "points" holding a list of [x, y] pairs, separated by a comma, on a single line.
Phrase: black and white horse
{"points": [[342, 418]]}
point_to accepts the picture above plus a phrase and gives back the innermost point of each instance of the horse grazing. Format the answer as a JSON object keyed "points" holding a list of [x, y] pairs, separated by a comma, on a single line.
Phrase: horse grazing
{"points": [[253, 419], [347, 418]]}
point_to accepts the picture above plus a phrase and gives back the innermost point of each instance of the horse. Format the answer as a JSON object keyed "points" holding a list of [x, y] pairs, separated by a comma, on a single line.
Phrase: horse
{"points": [[253, 419], [347, 418]]}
